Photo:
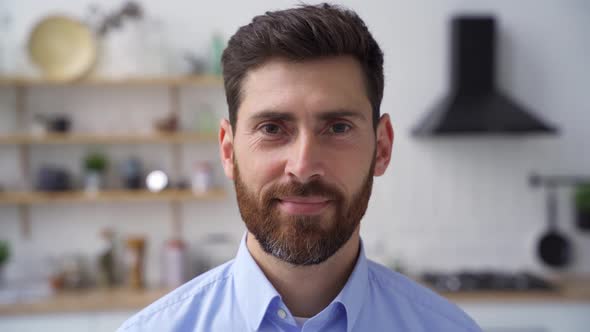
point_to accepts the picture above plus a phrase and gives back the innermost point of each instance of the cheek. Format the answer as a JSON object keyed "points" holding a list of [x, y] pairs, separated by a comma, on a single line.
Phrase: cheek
{"points": [[351, 160], [257, 169], [349, 170]]}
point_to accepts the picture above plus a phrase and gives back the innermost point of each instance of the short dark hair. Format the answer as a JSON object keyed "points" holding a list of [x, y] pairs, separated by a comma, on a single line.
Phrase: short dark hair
{"points": [[303, 33]]}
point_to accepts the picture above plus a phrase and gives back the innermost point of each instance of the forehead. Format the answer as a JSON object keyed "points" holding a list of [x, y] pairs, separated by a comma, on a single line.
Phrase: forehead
{"points": [[307, 87]]}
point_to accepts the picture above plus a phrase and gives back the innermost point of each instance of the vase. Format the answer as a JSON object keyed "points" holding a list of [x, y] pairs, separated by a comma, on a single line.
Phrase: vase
{"points": [[119, 53], [93, 182]]}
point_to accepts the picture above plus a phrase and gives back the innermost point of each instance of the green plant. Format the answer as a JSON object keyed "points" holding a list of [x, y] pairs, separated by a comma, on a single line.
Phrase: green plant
{"points": [[96, 162], [4, 252], [582, 197]]}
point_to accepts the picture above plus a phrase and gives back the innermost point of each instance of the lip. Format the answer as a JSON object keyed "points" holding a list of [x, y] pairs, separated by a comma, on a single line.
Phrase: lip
{"points": [[303, 205]]}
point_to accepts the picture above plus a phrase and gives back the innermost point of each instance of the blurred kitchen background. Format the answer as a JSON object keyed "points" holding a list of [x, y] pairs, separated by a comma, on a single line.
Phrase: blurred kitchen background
{"points": [[112, 193]]}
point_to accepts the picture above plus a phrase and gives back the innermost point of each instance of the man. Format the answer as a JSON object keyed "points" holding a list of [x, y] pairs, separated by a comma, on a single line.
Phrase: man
{"points": [[302, 144]]}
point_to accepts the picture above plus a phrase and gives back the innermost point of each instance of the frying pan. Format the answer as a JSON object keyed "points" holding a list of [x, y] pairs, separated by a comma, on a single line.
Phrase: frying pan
{"points": [[554, 248]]}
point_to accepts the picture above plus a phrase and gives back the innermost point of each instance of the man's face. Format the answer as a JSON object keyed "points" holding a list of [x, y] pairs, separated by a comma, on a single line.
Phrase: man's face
{"points": [[303, 156]]}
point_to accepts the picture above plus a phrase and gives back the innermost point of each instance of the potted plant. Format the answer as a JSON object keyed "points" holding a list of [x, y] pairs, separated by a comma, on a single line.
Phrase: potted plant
{"points": [[582, 199], [4, 255], [95, 165]]}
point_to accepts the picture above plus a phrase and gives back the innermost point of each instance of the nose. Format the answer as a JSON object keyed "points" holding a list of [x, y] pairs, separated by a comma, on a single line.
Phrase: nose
{"points": [[304, 160]]}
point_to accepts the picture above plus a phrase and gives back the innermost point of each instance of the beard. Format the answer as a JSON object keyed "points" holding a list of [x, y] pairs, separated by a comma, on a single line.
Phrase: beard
{"points": [[302, 240]]}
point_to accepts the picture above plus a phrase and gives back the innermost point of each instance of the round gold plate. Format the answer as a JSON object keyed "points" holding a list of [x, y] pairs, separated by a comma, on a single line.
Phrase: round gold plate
{"points": [[63, 48]]}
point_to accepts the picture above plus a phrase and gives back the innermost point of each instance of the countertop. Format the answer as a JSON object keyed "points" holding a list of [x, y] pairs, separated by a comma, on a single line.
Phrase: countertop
{"points": [[570, 291]]}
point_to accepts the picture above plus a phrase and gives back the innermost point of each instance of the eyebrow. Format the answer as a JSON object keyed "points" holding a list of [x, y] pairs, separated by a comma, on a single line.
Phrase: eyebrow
{"points": [[286, 116], [340, 114]]}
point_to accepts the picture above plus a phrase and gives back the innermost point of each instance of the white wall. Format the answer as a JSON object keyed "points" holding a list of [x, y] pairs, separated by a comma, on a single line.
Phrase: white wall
{"points": [[444, 203]]}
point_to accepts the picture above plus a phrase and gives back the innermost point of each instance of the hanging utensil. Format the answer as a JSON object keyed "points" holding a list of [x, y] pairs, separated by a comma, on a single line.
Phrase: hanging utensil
{"points": [[554, 248]]}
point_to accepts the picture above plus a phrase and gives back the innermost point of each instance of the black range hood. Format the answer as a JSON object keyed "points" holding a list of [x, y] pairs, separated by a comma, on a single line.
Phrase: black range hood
{"points": [[474, 105]]}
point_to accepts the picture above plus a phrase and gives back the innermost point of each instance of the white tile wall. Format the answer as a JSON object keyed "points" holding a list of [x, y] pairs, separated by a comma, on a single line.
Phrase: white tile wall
{"points": [[444, 203]]}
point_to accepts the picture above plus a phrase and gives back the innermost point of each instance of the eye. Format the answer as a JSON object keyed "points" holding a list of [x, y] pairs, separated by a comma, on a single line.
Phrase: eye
{"points": [[340, 128], [270, 129]]}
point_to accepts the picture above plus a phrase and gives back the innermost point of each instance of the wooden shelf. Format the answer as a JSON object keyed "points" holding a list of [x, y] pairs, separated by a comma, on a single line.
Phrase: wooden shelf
{"points": [[107, 196], [80, 138], [86, 301], [173, 84], [201, 80], [127, 299]]}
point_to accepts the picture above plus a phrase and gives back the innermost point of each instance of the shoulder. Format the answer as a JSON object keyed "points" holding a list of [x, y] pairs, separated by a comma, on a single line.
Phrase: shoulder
{"points": [[191, 297], [431, 309]]}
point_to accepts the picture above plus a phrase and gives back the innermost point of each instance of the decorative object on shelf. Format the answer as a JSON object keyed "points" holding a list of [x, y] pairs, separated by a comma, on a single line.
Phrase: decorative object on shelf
{"points": [[132, 173], [135, 261], [131, 44], [104, 24], [195, 65], [156, 181], [75, 272], [119, 52], [118, 37], [95, 165], [42, 124], [167, 124], [39, 125], [52, 178], [4, 256], [582, 203], [174, 261], [217, 46], [155, 58], [202, 179], [182, 184], [108, 260], [60, 124], [62, 47]]}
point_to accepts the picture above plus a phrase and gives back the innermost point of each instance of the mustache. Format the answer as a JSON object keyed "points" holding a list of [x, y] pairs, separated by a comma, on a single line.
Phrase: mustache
{"points": [[312, 188]]}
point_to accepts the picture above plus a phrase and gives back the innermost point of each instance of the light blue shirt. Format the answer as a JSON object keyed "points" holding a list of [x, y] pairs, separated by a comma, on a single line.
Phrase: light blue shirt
{"points": [[237, 296]]}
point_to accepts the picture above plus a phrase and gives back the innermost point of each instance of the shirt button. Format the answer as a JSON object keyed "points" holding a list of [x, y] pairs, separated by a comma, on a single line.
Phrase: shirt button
{"points": [[282, 313]]}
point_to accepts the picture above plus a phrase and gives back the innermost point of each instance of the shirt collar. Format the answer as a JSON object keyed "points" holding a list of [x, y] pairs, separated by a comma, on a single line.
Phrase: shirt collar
{"points": [[255, 293], [352, 296]]}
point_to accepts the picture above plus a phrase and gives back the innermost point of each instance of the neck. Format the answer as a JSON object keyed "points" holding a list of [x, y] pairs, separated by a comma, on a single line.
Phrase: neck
{"points": [[307, 290]]}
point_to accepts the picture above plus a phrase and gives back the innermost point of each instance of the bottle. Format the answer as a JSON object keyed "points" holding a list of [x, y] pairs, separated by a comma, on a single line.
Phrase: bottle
{"points": [[174, 260], [217, 46], [135, 260], [107, 260], [202, 179]]}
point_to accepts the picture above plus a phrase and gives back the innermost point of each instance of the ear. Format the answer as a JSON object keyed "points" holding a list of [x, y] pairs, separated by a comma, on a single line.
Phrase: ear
{"points": [[226, 148], [384, 145]]}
